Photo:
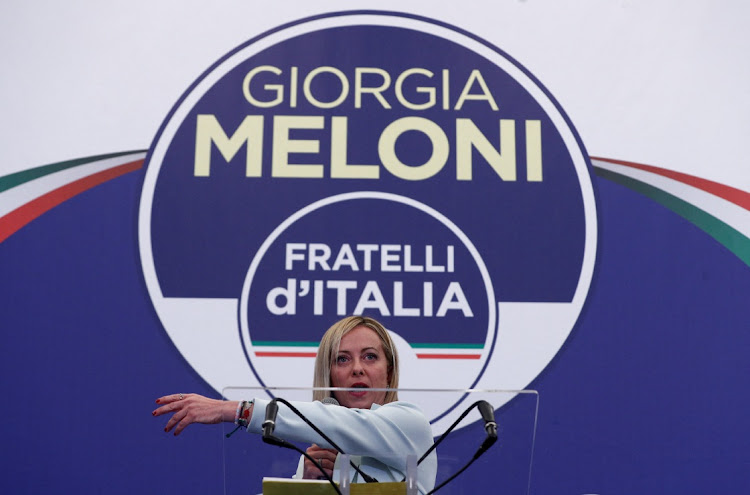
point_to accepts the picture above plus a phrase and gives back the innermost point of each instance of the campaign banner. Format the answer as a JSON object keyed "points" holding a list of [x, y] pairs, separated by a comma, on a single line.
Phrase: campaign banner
{"points": [[401, 166]]}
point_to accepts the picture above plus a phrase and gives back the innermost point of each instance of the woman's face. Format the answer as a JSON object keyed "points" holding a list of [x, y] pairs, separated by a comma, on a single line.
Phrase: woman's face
{"points": [[360, 363]]}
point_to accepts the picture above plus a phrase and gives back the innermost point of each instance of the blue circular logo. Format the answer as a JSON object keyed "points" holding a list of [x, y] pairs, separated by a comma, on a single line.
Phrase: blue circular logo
{"points": [[368, 163]]}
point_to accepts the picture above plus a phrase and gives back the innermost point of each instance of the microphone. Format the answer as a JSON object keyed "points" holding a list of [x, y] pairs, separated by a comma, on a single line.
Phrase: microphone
{"points": [[488, 415], [272, 410], [490, 426], [270, 423]]}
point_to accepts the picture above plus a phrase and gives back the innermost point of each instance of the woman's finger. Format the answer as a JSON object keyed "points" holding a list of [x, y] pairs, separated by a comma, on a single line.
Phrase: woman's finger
{"points": [[184, 422], [169, 406], [176, 418], [168, 399], [325, 457]]}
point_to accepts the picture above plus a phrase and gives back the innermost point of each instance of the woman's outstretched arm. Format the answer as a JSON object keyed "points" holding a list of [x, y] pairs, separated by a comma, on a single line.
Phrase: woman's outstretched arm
{"points": [[194, 408]]}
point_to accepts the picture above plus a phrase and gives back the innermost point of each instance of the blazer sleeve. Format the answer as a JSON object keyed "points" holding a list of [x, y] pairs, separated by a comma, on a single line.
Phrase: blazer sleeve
{"points": [[387, 433]]}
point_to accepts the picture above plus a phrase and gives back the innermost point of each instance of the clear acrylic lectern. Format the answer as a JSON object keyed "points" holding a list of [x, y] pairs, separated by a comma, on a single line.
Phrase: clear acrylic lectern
{"points": [[504, 468]]}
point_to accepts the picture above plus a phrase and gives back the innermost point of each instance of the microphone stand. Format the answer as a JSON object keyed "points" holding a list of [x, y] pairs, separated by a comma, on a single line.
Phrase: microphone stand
{"points": [[366, 477], [270, 423], [268, 426], [490, 427], [273, 440]]}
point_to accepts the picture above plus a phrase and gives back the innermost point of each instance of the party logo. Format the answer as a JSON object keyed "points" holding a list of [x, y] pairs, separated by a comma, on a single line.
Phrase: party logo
{"points": [[368, 163]]}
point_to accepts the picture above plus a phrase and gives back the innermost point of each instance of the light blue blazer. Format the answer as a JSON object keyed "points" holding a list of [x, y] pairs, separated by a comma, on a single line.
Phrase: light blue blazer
{"points": [[383, 436]]}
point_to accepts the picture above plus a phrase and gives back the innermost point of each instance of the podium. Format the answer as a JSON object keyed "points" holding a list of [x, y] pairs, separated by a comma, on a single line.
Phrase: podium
{"points": [[282, 486], [253, 467]]}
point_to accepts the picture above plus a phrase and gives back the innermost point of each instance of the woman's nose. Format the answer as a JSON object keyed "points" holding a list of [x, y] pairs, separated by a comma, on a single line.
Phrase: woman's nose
{"points": [[357, 368]]}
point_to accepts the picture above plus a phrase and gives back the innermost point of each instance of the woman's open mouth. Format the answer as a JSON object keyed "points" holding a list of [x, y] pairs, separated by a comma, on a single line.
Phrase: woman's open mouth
{"points": [[357, 393]]}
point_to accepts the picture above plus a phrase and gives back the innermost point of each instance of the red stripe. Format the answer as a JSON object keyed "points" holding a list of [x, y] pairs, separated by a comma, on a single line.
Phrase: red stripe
{"points": [[737, 196], [449, 356], [312, 355], [13, 221], [284, 354]]}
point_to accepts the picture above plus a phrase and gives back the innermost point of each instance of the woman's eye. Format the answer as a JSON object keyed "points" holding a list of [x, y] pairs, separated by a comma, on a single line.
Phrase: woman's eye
{"points": [[342, 359], [371, 357]]}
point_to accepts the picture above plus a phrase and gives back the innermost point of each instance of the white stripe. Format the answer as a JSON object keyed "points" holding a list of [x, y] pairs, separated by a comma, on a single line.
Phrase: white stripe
{"points": [[726, 211], [18, 196]]}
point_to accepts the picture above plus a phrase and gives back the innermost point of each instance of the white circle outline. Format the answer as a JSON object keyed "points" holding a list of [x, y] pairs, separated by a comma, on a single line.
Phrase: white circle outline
{"points": [[302, 26], [338, 198]]}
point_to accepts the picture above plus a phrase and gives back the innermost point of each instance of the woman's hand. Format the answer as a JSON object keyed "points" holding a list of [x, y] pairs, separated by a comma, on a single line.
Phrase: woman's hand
{"points": [[194, 408], [326, 457]]}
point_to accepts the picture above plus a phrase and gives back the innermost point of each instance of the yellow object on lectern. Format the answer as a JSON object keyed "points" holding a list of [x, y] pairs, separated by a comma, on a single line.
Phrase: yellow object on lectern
{"points": [[286, 486]]}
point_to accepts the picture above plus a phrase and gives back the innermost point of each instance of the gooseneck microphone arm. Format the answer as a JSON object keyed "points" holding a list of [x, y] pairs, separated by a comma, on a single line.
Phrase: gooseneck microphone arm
{"points": [[366, 477], [268, 426], [490, 426], [448, 431]]}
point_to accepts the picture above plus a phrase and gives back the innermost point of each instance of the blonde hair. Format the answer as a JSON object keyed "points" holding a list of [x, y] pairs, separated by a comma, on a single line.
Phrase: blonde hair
{"points": [[329, 349]]}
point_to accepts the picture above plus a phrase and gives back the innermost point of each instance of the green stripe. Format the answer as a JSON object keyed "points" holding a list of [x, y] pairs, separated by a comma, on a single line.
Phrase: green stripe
{"points": [[19, 178], [729, 237], [428, 345]]}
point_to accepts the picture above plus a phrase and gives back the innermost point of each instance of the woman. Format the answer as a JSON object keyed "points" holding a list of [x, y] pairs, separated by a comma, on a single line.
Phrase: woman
{"points": [[356, 353]]}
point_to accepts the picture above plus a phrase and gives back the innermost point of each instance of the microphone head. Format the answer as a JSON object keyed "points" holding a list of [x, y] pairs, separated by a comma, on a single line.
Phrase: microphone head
{"points": [[488, 414], [330, 401], [272, 409], [486, 410]]}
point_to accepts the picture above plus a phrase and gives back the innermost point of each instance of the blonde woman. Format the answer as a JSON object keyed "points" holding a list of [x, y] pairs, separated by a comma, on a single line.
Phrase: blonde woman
{"points": [[355, 353]]}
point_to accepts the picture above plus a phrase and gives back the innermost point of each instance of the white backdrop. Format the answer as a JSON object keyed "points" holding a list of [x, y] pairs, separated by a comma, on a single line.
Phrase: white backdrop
{"points": [[665, 83], [660, 82]]}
